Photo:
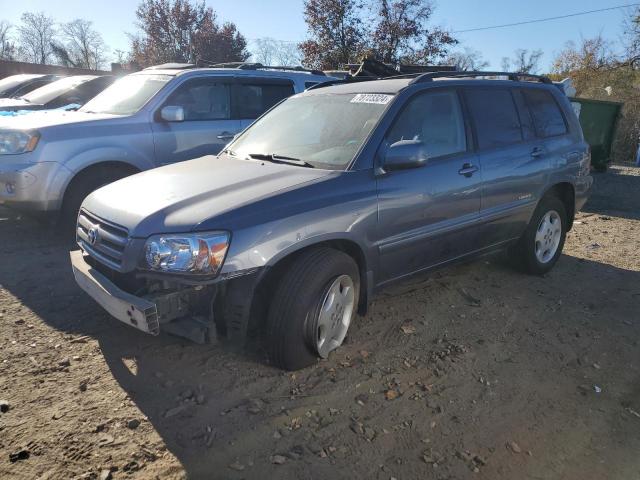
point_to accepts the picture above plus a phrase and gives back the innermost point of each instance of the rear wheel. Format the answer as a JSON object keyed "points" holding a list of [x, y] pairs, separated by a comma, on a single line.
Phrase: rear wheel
{"points": [[541, 244], [312, 308]]}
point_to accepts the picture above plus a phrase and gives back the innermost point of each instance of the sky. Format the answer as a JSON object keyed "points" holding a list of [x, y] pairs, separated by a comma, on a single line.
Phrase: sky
{"points": [[283, 20]]}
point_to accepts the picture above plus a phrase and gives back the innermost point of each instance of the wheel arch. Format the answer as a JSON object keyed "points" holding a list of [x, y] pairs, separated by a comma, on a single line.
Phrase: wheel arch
{"points": [[99, 166], [268, 281], [566, 192]]}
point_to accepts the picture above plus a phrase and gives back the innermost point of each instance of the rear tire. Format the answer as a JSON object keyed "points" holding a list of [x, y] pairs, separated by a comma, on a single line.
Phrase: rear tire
{"points": [[80, 188], [541, 244], [313, 305]]}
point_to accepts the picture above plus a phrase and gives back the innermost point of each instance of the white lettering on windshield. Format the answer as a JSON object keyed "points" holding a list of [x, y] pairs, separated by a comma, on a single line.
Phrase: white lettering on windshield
{"points": [[378, 98]]}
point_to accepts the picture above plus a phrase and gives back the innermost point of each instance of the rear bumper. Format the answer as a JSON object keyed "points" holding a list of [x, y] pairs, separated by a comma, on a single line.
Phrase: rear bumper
{"points": [[583, 189], [134, 311]]}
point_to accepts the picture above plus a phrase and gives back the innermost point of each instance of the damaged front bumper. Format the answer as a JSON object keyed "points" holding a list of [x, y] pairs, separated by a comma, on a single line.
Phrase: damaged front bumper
{"points": [[134, 311], [196, 312]]}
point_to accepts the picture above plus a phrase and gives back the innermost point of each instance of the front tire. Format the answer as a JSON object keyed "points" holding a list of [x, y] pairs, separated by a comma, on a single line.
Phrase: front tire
{"points": [[541, 245], [312, 308]]}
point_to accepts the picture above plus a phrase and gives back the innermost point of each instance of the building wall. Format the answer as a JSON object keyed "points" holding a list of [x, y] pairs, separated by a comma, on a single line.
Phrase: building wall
{"points": [[8, 68]]}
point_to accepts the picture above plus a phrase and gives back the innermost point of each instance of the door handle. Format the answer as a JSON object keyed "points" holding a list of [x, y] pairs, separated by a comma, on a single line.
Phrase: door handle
{"points": [[537, 152], [226, 136], [468, 169]]}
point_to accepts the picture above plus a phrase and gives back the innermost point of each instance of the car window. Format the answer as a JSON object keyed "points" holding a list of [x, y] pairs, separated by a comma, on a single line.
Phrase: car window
{"points": [[495, 116], [324, 130], [526, 122], [51, 91], [23, 90], [127, 95], [202, 99], [436, 119], [546, 113], [255, 98], [82, 93]]}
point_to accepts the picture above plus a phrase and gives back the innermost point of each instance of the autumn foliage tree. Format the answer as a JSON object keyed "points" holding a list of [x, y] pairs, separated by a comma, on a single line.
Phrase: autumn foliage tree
{"points": [[184, 31], [402, 33], [392, 31], [336, 32]]}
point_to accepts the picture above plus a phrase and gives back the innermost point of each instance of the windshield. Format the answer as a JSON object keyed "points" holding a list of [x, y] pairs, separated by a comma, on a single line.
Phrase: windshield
{"points": [[127, 95], [9, 83], [53, 90], [323, 130]]}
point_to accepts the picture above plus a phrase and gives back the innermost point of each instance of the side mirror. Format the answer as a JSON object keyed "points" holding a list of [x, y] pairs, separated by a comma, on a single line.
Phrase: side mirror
{"points": [[405, 154], [172, 113]]}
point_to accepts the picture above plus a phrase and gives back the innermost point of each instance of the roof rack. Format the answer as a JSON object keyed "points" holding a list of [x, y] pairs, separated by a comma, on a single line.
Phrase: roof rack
{"points": [[172, 66], [514, 76], [259, 66], [340, 81]]}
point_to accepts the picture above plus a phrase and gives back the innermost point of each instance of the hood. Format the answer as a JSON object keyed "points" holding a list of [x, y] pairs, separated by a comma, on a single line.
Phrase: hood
{"points": [[13, 104], [17, 112], [178, 197], [48, 118]]}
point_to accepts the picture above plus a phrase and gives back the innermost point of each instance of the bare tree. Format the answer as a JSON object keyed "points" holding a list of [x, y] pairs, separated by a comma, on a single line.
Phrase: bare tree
{"points": [[467, 59], [121, 56], [288, 54], [591, 54], [37, 33], [523, 61], [84, 45], [7, 46], [269, 51], [265, 50], [631, 29]]}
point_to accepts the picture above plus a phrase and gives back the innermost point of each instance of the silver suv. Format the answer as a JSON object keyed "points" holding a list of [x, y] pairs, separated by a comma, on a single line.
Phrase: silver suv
{"points": [[162, 115]]}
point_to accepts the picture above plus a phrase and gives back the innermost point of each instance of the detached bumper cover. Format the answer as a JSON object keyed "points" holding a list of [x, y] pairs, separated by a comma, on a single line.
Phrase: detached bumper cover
{"points": [[134, 311]]}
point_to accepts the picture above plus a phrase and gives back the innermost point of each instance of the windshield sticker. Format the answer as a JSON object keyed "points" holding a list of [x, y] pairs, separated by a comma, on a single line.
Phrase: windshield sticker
{"points": [[378, 98]]}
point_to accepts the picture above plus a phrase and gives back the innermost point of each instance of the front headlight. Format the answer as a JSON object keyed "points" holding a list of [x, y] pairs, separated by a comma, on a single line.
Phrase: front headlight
{"points": [[13, 142], [196, 253]]}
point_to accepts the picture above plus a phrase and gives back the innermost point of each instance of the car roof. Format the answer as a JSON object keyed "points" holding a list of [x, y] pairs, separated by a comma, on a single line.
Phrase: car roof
{"points": [[261, 72], [393, 85]]}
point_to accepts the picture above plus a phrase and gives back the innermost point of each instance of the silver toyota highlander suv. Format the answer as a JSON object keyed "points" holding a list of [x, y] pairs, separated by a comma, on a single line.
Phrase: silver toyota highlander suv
{"points": [[161, 115]]}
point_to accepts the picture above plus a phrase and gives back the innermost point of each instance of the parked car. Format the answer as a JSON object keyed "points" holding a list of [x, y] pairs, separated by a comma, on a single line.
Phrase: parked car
{"points": [[329, 197], [16, 86], [66, 93], [146, 119]]}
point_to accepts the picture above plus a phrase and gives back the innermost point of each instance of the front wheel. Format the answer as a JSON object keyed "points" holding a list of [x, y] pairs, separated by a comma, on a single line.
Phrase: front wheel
{"points": [[312, 308], [541, 244]]}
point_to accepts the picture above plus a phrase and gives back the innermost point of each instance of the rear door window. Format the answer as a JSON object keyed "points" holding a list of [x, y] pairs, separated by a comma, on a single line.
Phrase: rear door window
{"points": [[253, 98], [203, 99], [547, 117], [495, 117], [435, 118]]}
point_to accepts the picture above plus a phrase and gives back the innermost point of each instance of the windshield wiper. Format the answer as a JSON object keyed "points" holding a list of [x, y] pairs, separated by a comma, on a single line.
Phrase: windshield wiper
{"points": [[275, 158]]}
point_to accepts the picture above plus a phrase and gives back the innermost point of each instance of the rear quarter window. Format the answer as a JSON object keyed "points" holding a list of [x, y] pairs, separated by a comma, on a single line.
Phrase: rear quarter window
{"points": [[495, 117], [546, 113]]}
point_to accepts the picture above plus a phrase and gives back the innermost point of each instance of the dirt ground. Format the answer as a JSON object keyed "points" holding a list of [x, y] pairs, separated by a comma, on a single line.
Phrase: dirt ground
{"points": [[473, 372]]}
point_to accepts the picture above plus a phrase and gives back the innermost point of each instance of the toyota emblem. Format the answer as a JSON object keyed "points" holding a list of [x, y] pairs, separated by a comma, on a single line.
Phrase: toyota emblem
{"points": [[92, 234]]}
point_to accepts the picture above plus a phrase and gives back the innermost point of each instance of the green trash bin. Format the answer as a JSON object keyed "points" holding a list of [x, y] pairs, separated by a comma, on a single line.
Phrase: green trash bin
{"points": [[599, 120]]}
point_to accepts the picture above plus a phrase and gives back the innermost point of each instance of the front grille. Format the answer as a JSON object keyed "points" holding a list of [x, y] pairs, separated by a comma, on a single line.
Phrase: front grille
{"points": [[102, 240]]}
